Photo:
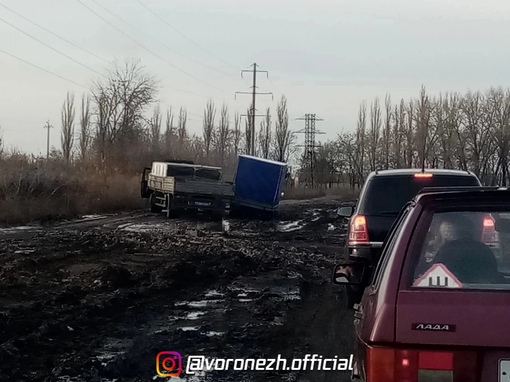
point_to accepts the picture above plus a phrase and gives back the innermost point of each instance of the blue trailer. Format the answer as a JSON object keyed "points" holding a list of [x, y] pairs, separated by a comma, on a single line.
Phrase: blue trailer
{"points": [[258, 185]]}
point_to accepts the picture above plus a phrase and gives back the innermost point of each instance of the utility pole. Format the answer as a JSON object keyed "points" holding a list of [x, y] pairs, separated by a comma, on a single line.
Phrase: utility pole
{"points": [[310, 144], [48, 126], [253, 93]]}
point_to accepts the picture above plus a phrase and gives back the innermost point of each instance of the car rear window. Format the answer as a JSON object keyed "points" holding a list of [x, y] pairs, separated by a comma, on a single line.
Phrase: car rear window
{"points": [[464, 249], [386, 195]]}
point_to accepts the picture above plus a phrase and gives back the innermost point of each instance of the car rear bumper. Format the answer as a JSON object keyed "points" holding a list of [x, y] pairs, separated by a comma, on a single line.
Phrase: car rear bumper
{"points": [[364, 252]]}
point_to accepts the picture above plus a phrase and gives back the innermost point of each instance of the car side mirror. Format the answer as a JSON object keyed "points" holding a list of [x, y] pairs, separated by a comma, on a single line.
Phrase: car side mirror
{"points": [[346, 211], [349, 273]]}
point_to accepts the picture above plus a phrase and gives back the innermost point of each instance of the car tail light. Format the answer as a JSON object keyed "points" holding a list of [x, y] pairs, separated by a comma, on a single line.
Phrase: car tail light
{"points": [[388, 364], [423, 175], [358, 230], [489, 234]]}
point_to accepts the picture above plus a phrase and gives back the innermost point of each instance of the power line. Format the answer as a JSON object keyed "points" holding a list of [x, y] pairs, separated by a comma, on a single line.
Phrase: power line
{"points": [[139, 31], [136, 42], [49, 46], [140, 44], [52, 33], [183, 35], [166, 46], [44, 70]]}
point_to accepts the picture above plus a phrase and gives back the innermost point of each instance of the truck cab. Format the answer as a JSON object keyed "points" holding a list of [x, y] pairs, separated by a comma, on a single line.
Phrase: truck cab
{"points": [[177, 187]]}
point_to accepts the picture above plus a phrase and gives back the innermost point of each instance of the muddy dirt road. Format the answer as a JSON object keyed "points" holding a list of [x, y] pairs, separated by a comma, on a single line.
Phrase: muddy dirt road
{"points": [[97, 299]]}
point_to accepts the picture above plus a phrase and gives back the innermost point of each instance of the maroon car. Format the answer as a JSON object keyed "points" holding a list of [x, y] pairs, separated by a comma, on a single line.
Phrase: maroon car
{"points": [[438, 304]]}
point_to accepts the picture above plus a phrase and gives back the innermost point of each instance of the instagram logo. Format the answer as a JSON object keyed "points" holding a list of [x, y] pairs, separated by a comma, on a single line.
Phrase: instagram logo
{"points": [[168, 364]]}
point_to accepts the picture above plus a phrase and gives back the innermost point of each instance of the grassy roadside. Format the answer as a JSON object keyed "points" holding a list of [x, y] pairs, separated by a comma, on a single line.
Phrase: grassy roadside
{"points": [[40, 191], [34, 191]]}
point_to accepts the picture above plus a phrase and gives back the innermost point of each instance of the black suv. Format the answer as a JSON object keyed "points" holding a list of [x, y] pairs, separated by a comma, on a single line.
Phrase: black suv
{"points": [[383, 195]]}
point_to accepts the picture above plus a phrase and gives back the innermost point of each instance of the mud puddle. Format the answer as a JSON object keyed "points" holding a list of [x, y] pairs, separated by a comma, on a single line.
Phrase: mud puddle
{"points": [[98, 299]]}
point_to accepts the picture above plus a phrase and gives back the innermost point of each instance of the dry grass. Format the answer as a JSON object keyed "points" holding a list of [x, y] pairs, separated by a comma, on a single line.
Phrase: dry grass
{"points": [[39, 190], [36, 190]]}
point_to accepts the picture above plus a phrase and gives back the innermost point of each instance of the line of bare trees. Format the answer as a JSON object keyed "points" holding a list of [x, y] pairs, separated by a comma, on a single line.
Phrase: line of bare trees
{"points": [[115, 134], [453, 131]]}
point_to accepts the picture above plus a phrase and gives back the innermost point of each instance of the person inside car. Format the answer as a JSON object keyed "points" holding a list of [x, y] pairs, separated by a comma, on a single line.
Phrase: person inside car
{"points": [[470, 260], [444, 228]]}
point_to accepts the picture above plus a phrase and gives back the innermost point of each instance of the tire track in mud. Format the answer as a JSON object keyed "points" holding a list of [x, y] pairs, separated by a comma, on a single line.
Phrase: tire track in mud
{"points": [[105, 296]]}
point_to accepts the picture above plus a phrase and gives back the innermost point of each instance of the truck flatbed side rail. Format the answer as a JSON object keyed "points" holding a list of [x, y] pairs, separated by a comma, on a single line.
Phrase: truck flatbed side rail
{"points": [[205, 187], [164, 184]]}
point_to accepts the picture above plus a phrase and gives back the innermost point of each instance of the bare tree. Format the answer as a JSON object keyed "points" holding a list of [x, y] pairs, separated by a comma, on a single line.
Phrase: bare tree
{"points": [[347, 152], [155, 129], [265, 135], [248, 132], [85, 133], [1, 142], [106, 102], [67, 136], [471, 107], [455, 131], [169, 132], [283, 136], [208, 126], [237, 134], [182, 131], [408, 129], [121, 101], [387, 132], [437, 124], [197, 149], [399, 114], [358, 173], [422, 126], [222, 136], [455, 118], [500, 103], [489, 115], [374, 134]]}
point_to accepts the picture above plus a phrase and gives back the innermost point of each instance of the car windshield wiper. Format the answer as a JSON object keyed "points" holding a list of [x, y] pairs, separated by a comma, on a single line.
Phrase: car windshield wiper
{"points": [[389, 213]]}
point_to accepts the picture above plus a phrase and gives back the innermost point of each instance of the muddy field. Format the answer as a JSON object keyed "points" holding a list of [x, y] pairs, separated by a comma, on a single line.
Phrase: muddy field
{"points": [[97, 299]]}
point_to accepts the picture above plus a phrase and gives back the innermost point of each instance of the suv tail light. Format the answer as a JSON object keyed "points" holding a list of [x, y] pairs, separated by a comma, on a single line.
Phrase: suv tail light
{"points": [[358, 230], [489, 234], [423, 175], [388, 364]]}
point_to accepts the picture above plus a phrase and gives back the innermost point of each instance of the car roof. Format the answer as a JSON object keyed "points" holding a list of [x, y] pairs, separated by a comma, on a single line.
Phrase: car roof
{"points": [[451, 194], [410, 171]]}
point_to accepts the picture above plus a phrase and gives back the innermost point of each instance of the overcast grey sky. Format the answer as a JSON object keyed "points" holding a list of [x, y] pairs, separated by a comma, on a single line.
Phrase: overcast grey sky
{"points": [[326, 56]]}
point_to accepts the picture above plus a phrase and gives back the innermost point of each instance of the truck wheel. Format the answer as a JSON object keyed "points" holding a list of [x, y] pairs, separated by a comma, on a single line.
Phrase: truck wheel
{"points": [[154, 207], [172, 212], [352, 296], [144, 189]]}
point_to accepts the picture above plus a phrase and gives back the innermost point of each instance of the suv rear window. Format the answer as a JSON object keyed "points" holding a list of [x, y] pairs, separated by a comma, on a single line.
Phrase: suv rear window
{"points": [[465, 249], [388, 194]]}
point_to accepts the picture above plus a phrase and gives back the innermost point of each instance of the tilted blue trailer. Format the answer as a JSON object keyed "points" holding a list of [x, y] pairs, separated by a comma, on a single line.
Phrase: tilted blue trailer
{"points": [[258, 185]]}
